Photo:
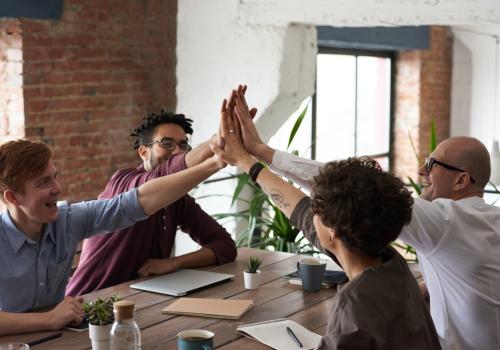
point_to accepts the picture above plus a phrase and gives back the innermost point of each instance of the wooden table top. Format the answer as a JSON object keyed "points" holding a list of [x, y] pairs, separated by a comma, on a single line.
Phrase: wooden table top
{"points": [[276, 298]]}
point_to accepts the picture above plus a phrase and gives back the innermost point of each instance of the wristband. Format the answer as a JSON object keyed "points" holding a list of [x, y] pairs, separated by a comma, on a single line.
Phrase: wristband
{"points": [[255, 170]]}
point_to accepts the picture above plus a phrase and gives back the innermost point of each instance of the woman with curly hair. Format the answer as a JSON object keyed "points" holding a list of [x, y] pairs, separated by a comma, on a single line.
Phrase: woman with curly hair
{"points": [[355, 211]]}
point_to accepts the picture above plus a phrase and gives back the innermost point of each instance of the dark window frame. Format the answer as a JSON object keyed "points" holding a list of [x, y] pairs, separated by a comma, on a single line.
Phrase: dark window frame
{"points": [[355, 52]]}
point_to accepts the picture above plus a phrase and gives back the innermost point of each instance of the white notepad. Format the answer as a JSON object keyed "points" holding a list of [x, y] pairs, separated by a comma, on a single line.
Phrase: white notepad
{"points": [[273, 333]]}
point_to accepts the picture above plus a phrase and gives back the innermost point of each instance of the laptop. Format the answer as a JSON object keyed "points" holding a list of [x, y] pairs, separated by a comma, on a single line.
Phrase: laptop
{"points": [[182, 282]]}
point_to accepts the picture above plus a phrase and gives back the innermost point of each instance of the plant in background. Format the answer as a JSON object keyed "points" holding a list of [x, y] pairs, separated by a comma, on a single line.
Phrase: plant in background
{"points": [[100, 312], [253, 264], [411, 253]]}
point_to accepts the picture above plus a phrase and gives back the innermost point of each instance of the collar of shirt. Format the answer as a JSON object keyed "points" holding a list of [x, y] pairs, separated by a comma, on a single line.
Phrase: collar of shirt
{"points": [[472, 200], [16, 237]]}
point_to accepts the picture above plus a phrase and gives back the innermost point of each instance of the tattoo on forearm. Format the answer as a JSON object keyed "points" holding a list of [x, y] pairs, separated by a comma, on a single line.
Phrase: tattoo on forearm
{"points": [[278, 198]]}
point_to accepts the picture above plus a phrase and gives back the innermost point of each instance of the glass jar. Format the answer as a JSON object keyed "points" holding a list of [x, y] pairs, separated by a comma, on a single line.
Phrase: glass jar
{"points": [[125, 334]]}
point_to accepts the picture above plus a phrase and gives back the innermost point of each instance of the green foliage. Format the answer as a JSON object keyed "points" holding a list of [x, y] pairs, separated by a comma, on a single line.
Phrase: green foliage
{"points": [[417, 187], [100, 312], [253, 264], [296, 126], [432, 137], [266, 226]]}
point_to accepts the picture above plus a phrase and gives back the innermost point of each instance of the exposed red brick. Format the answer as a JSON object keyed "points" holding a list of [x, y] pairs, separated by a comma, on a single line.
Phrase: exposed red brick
{"points": [[87, 81], [423, 92]]}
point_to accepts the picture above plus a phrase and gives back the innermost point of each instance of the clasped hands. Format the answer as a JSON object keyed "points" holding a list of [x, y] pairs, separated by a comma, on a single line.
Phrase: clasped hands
{"points": [[239, 140]]}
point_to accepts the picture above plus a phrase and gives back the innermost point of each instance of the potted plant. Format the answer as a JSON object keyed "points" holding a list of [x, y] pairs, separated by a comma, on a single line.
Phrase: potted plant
{"points": [[99, 314], [252, 273]]}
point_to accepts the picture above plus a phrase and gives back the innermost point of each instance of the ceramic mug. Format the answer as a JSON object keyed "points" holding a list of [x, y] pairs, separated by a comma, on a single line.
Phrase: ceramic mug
{"points": [[14, 346], [311, 272], [195, 339]]}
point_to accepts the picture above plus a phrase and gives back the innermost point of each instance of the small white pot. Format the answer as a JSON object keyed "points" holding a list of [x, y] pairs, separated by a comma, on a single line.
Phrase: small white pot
{"points": [[99, 336], [252, 280]]}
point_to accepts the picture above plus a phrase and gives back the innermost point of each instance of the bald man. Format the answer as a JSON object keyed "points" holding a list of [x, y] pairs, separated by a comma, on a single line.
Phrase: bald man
{"points": [[456, 234]]}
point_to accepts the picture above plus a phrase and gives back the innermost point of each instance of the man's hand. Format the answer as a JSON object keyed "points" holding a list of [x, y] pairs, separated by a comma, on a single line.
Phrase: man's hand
{"points": [[157, 267], [67, 312]]}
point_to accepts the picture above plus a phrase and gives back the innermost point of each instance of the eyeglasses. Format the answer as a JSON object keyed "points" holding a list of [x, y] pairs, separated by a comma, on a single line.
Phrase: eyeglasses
{"points": [[170, 144], [429, 163]]}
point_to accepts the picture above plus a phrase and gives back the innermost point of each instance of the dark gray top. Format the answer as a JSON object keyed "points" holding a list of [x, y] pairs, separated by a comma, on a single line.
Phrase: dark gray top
{"points": [[381, 308]]}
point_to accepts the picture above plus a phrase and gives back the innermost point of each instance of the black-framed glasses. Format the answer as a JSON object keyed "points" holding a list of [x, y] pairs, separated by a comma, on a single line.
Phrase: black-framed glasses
{"points": [[429, 163], [170, 144]]}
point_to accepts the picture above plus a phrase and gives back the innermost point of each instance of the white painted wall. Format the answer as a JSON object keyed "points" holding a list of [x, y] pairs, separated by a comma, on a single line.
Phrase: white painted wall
{"points": [[271, 46], [476, 86], [475, 80]]}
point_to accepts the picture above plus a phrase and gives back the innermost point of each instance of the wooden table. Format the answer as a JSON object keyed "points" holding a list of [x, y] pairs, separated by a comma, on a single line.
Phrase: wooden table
{"points": [[276, 298]]}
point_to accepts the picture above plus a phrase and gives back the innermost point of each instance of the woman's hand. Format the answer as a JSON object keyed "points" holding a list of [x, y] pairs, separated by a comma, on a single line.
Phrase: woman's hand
{"points": [[233, 151]]}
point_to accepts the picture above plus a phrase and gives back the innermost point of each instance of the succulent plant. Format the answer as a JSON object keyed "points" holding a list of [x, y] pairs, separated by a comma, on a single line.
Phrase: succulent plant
{"points": [[253, 264], [100, 312]]}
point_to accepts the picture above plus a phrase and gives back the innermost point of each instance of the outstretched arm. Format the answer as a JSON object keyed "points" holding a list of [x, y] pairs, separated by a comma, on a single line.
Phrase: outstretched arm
{"points": [[69, 311], [160, 192]]}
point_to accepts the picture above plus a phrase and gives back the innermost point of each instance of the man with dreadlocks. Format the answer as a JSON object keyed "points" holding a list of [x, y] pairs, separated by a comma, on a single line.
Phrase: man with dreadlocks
{"points": [[145, 248]]}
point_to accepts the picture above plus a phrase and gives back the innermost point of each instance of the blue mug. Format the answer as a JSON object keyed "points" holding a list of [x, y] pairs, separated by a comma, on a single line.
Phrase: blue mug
{"points": [[311, 272], [195, 339]]}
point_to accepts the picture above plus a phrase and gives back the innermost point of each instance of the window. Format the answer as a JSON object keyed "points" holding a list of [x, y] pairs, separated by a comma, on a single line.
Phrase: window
{"points": [[352, 113]]}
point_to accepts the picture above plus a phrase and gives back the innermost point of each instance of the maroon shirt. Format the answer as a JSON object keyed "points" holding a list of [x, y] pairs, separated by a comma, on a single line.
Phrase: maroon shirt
{"points": [[114, 258]]}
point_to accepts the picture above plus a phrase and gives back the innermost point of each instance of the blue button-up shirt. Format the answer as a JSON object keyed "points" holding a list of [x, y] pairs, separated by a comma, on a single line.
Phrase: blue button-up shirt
{"points": [[34, 274]]}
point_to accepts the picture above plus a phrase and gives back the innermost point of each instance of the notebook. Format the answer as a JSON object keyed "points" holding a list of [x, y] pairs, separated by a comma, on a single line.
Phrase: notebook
{"points": [[273, 333], [182, 282], [216, 308]]}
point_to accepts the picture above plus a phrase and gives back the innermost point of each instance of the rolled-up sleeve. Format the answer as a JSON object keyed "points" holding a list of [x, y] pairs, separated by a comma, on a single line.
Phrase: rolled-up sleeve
{"points": [[299, 170], [105, 215]]}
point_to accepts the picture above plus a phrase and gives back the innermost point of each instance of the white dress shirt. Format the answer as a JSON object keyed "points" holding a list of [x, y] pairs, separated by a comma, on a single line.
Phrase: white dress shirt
{"points": [[458, 246]]}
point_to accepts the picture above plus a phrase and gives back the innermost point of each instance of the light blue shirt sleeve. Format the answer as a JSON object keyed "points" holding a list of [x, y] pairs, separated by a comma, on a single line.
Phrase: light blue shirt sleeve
{"points": [[104, 215], [34, 274]]}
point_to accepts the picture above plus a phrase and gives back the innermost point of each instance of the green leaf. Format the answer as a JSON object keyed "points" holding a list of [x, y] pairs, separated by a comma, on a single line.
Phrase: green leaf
{"points": [[495, 188], [296, 126], [242, 181], [412, 143], [432, 137], [416, 186]]}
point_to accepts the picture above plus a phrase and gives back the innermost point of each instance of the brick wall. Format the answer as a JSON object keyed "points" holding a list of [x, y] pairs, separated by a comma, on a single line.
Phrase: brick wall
{"points": [[89, 78], [423, 91], [11, 92]]}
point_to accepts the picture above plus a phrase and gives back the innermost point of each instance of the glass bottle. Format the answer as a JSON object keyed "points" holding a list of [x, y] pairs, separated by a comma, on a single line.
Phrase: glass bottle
{"points": [[125, 334]]}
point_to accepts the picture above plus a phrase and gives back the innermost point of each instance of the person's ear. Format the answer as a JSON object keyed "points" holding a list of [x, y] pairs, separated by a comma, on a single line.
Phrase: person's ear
{"points": [[10, 197], [462, 181], [332, 235], [143, 152]]}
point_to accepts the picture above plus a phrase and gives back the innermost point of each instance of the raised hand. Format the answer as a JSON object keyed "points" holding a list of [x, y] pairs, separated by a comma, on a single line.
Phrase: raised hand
{"points": [[250, 136], [233, 151]]}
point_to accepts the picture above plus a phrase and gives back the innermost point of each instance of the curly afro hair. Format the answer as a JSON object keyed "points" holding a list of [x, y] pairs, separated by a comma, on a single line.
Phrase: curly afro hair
{"points": [[144, 132], [366, 206]]}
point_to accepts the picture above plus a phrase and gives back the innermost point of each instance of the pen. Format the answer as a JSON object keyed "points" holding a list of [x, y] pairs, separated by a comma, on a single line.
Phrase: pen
{"points": [[43, 340], [294, 337]]}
